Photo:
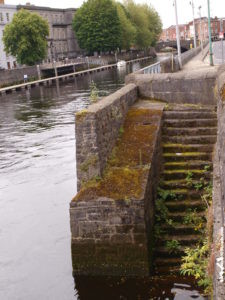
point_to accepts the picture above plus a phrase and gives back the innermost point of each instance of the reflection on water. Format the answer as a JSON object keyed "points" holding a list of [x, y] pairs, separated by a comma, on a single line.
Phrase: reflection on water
{"points": [[37, 182], [135, 288]]}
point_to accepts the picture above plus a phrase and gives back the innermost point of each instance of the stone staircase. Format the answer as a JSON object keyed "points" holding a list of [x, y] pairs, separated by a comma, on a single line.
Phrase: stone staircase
{"points": [[188, 137]]}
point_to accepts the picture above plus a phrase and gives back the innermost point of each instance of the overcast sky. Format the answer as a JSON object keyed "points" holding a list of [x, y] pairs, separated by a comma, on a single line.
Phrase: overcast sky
{"points": [[164, 7]]}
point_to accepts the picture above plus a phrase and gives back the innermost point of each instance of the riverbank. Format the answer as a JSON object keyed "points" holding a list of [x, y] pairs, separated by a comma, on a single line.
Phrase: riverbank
{"points": [[49, 81]]}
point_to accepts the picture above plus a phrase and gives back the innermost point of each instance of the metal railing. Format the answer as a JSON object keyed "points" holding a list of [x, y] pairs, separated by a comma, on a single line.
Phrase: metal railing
{"points": [[152, 69]]}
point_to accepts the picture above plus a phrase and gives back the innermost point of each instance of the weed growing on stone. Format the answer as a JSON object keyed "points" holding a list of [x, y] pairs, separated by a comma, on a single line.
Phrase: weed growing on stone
{"points": [[94, 92], [173, 246]]}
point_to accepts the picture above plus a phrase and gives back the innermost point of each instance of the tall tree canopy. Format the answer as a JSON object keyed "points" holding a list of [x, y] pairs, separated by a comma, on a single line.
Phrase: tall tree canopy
{"points": [[128, 30], [146, 21], [105, 25], [97, 26], [26, 37]]}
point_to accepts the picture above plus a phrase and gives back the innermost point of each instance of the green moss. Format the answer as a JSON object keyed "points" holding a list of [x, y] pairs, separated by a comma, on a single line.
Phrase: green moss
{"points": [[125, 171], [90, 161], [80, 115], [223, 93]]}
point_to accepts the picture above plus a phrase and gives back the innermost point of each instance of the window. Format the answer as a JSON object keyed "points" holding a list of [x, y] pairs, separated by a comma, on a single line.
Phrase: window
{"points": [[14, 64], [8, 65], [7, 17], [1, 17]]}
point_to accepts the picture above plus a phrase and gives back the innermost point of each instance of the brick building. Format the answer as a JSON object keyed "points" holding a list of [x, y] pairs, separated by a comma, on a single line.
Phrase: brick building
{"points": [[187, 30], [61, 41]]}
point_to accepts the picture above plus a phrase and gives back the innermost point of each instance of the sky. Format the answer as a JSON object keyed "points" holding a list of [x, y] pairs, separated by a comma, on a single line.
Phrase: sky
{"points": [[165, 8]]}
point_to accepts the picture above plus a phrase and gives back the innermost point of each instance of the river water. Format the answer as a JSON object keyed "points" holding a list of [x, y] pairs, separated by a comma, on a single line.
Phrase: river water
{"points": [[37, 182]]}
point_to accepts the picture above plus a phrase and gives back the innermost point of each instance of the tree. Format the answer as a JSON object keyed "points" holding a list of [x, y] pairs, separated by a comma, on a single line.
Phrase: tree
{"points": [[128, 30], [97, 26], [146, 21], [26, 37]]}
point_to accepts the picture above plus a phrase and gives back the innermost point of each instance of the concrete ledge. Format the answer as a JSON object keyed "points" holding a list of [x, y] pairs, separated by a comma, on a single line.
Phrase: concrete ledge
{"points": [[97, 129], [189, 87]]}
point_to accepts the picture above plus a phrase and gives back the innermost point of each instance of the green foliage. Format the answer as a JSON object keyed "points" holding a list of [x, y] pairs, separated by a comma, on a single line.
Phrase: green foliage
{"points": [[105, 25], [94, 92], [161, 208], [189, 179], [195, 263], [146, 21], [25, 37], [128, 30], [97, 26], [207, 195], [192, 218], [173, 246]]}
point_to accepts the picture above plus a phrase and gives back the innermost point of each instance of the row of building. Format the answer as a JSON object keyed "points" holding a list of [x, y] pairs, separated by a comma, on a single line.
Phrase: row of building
{"points": [[61, 41], [201, 29]]}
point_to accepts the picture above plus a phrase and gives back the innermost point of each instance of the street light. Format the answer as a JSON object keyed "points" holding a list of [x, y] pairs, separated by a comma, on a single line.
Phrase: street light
{"points": [[200, 15], [193, 13], [210, 35], [178, 36]]}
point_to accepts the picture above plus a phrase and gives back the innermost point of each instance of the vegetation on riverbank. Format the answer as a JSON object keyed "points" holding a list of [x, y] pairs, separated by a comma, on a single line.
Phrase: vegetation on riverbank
{"points": [[106, 25]]}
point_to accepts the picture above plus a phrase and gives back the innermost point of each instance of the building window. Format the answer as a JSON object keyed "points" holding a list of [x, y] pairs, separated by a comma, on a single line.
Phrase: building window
{"points": [[1, 17], [8, 65], [14, 64], [7, 17]]}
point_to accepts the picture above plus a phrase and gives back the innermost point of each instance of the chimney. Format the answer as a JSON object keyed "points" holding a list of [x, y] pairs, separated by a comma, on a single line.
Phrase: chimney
{"points": [[2, 1]]}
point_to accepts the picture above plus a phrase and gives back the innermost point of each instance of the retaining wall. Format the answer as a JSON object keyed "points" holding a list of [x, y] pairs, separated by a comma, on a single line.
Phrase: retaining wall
{"points": [[219, 192], [170, 66], [13, 76], [189, 87], [97, 129], [113, 234]]}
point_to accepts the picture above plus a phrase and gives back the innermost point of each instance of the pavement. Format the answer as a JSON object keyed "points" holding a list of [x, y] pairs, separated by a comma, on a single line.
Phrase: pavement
{"points": [[200, 63]]}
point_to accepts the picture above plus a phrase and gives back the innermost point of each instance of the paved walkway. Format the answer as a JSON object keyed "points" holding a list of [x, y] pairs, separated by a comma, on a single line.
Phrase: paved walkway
{"points": [[199, 63]]}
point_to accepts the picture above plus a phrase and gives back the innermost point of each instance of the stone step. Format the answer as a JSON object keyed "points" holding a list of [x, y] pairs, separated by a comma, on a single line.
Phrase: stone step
{"points": [[172, 131], [180, 186], [182, 174], [167, 261], [199, 139], [180, 206], [184, 240], [187, 156], [166, 270], [163, 252], [178, 229], [179, 216], [194, 114], [174, 148], [195, 164], [190, 108], [178, 123]]}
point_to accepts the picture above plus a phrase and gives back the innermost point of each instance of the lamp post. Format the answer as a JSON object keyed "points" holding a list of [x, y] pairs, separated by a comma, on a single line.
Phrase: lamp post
{"points": [[200, 15], [178, 36], [193, 13], [210, 35]]}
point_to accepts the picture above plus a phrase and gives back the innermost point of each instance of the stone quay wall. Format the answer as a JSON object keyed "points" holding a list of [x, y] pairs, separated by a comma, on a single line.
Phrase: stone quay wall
{"points": [[189, 87], [169, 66], [219, 192], [97, 129], [114, 236], [109, 231], [14, 76]]}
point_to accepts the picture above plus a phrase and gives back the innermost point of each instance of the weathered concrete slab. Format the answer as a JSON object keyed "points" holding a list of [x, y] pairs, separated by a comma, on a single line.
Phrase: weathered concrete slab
{"points": [[189, 87]]}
